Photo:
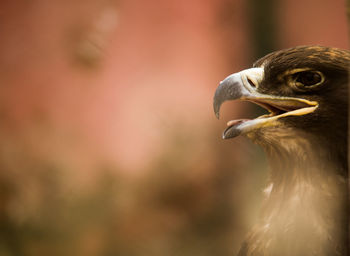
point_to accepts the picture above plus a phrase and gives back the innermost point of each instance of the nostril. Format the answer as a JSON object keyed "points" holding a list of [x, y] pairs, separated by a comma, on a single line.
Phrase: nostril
{"points": [[251, 83]]}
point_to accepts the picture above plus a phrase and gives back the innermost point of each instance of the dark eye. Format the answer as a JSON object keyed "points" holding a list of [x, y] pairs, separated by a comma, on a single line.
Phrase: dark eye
{"points": [[308, 78]]}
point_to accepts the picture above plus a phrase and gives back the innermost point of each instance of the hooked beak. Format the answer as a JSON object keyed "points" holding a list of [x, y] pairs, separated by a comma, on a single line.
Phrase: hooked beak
{"points": [[243, 86]]}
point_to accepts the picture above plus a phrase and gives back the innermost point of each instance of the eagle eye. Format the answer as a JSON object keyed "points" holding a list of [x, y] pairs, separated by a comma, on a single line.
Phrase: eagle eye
{"points": [[308, 79]]}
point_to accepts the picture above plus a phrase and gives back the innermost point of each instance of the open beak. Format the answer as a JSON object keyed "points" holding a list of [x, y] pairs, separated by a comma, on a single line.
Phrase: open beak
{"points": [[243, 86]]}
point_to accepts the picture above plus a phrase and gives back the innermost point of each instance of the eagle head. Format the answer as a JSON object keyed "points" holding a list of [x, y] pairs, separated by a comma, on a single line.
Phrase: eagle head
{"points": [[304, 90]]}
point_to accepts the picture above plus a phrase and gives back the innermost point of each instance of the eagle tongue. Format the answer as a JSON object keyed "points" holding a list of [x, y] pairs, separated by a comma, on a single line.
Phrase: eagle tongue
{"points": [[235, 122]]}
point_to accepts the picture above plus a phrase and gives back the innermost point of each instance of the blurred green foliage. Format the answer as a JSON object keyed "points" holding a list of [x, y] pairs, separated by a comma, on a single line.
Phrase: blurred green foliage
{"points": [[178, 207]]}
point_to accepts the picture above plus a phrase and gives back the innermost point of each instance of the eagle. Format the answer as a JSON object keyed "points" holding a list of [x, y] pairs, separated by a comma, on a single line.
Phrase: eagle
{"points": [[304, 135]]}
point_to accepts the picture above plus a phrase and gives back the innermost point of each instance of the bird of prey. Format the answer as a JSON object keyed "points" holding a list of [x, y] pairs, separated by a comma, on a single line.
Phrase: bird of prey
{"points": [[304, 135]]}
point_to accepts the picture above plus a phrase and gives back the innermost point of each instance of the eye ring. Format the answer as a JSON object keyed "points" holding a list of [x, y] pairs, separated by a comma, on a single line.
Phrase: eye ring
{"points": [[307, 79]]}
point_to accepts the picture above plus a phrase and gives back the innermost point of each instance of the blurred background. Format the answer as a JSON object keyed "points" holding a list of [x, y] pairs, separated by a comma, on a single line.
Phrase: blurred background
{"points": [[108, 141]]}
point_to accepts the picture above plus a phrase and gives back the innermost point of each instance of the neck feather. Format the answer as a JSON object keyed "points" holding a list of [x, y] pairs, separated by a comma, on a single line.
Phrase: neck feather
{"points": [[304, 212]]}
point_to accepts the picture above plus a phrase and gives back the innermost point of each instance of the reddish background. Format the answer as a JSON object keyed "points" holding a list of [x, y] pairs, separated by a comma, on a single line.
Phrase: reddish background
{"points": [[127, 86]]}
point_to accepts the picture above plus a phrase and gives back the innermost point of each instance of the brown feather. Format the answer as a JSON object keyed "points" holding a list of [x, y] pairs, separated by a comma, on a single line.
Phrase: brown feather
{"points": [[305, 211]]}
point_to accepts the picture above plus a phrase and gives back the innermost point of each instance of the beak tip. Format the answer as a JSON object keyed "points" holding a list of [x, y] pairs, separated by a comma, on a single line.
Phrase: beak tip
{"points": [[216, 107]]}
